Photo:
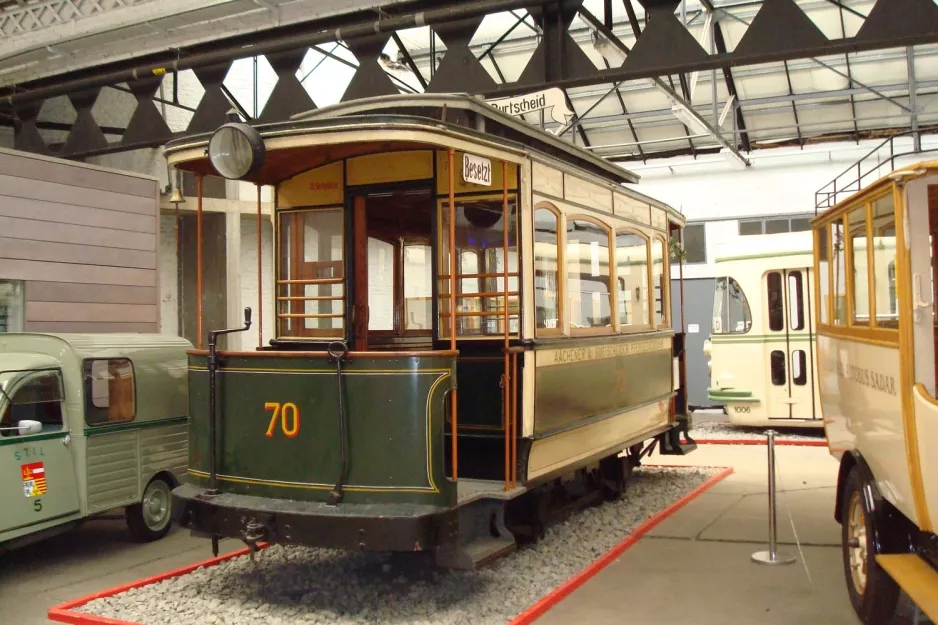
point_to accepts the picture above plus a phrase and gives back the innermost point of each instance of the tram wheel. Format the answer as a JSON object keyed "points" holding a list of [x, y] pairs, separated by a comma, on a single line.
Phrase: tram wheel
{"points": [[151, 518], [873, 593]]}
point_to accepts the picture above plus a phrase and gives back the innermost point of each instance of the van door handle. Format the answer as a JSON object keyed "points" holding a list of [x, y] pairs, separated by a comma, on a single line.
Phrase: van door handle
{"points": [[67, 440]]}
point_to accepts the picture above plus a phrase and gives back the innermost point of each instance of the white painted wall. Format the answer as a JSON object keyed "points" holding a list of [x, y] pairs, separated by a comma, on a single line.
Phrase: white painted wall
{"points": [[779, 182]]}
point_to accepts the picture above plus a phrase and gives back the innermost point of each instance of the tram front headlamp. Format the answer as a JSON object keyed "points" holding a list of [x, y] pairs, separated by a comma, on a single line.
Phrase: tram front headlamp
{"points": [[236, 150]]}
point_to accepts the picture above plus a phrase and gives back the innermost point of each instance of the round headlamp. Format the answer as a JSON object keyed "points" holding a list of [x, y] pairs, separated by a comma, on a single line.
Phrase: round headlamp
{"points": [[236, 150]]}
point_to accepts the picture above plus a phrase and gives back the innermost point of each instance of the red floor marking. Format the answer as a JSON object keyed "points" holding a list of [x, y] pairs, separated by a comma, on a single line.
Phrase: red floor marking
{"points": [[63, 613], [757, 441], [554, 597]]}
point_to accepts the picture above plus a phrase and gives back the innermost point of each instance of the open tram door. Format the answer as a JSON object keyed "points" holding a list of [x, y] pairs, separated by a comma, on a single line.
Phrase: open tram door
{"points": [[789, 345]]}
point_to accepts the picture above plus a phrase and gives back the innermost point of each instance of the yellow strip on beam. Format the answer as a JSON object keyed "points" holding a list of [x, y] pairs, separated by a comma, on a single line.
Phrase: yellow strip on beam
{"points": [[916, 577]]}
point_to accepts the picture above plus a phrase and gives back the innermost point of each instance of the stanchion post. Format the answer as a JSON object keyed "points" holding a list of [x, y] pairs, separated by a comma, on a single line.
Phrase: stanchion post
{"points": [[772, 556]]}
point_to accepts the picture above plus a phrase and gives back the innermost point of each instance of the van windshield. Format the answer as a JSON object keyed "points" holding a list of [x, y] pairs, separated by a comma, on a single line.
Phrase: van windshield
{"points": [[731, 313]]}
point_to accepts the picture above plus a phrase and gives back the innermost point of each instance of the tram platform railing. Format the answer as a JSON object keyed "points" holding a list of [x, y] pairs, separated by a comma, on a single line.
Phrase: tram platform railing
{"points": [[876, 163]]}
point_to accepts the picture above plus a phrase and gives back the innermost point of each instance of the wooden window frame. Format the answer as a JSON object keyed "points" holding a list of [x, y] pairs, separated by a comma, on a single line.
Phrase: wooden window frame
{"points": [[613, 308], [649, 308], [893, 224], [561, 264], [850, 256], [665, 287], [311, 334], [442, 276]]}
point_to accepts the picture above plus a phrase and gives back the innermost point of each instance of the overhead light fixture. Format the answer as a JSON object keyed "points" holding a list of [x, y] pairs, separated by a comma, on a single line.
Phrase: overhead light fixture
{"points": [[686, 117], [398, 66], [734, 159], [612, 53]]}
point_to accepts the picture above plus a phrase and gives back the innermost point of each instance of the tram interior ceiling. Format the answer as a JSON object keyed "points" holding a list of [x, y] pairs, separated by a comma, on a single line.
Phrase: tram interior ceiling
{"points": [[633, 74]]}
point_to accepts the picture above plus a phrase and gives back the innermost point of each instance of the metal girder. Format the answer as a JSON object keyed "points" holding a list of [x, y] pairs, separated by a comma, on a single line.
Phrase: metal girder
{"points": [[780, 31], [591, 19], [720, 44]]}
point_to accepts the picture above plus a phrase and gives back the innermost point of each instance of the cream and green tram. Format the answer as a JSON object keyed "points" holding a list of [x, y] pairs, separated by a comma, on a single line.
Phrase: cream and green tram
{"points": [[761, 347], [874, 255]]}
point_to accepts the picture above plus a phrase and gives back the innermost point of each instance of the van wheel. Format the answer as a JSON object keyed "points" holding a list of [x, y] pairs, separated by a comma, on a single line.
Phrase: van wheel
{"points": [[151, 518], [873, 592]]}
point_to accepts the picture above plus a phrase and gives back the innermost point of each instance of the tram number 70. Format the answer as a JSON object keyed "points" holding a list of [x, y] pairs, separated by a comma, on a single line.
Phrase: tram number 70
{"points": [[289, 417]]}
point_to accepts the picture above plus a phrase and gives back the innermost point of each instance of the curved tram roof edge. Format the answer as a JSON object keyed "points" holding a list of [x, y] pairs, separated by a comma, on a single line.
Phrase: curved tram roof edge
{"points": [[348, 117]]}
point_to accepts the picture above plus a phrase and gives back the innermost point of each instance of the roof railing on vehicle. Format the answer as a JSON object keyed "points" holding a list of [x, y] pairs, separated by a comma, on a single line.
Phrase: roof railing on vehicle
{"points": [[875, 164]]}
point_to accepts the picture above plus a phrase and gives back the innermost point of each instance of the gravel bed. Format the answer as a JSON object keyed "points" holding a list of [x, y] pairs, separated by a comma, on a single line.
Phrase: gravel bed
{"points": [[722, 430], [287, 585]]}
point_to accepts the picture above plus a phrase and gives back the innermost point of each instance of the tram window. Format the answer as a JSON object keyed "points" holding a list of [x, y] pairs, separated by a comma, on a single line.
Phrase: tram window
{"points": [[588, 275], [731, 314], [884, 263], [796, 300], [480, 267], [778, 368], [109, 391], [546, 272], [632, 271], [658, 255], [822, 244], [799, 367], [838, 258], [311, 281], [39, 399], [861, 275], [381, 284], [776, 301], [418, 287]]}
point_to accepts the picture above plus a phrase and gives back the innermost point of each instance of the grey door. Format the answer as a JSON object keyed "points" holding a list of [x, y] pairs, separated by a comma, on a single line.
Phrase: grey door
{"points": [[698, 306]]}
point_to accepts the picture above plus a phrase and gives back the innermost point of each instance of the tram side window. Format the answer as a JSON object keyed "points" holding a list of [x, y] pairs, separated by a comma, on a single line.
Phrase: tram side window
{"points": [[39, 399], [658, 276], [731, 314], [381, 284], [546, 270], [588, 275], [418, 288], [311, 281], [799, 367], [838, 259], [861, 276], [480, 267], [632, 271], [796, 300], [776, 301], [884, 263], [777, 360], [822, 244], [109, 391]]}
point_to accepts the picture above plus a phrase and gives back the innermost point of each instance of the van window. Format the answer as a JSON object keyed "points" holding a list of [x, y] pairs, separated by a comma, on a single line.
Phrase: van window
{"points": [[109, 391], [731, 314], [39, 399]]}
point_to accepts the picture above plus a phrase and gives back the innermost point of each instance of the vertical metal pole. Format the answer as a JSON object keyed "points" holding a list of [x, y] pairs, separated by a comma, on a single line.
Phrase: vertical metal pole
{"points": [[198, 262], [260, 274], [772, 556], [452, 299], [507, 364], [910, 61]]}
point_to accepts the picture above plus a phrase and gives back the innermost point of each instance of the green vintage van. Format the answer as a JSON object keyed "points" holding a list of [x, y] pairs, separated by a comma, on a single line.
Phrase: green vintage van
{"points": [[90, 423]]}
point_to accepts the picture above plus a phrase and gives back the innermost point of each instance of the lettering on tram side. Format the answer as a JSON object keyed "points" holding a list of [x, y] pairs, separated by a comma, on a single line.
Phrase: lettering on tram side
{"points": [[598, 352], [866, 377]]}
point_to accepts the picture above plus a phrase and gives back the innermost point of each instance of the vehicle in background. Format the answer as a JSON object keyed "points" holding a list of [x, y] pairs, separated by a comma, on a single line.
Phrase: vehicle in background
{"points": [[877, 354], [761, 348], [90, 423]]}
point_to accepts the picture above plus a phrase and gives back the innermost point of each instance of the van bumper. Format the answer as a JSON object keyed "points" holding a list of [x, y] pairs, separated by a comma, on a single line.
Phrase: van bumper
{"points": [[364, 527]]}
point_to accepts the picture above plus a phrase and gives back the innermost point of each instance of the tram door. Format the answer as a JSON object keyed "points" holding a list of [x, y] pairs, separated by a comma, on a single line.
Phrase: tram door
{"points": [[392, 260], [789, 348]]}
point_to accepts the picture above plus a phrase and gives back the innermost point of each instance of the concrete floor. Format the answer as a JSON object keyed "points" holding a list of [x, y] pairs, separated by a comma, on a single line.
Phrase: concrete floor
{"points": [[695, 566], [99, 555]]}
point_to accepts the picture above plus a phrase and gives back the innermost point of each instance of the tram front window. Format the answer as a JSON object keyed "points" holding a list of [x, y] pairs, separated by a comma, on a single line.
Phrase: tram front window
{"points": [[731, 314]]}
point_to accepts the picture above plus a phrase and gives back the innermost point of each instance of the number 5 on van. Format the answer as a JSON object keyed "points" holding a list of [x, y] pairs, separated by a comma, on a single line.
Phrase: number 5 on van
{"points": [[289, 417]]}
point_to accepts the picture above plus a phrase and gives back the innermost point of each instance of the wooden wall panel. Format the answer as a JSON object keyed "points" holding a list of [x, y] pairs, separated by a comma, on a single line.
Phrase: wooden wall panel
{"points": [[84, 240]]}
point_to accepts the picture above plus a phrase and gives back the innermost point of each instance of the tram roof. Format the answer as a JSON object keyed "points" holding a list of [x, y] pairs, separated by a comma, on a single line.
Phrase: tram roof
{"points": [[459, 114], [906, 174]]}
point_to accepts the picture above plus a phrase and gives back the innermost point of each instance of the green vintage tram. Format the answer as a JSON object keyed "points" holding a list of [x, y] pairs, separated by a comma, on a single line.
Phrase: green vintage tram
{"points": [[368, 422]]}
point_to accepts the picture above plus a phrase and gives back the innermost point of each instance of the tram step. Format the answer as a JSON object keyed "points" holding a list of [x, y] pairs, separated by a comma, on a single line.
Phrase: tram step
{"points": [[475, 554], [916, 577]]}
